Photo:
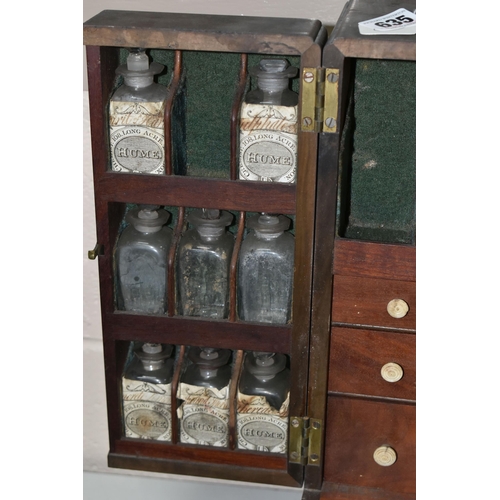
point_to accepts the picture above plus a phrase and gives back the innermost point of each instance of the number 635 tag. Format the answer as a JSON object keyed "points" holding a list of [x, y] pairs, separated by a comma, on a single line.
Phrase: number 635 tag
{"points": [[399, 22]]}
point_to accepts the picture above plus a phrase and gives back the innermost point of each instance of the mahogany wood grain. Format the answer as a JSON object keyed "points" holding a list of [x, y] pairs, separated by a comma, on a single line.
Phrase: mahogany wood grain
{"points": [[363, 301], [375, 260], [196, 192], [188, 465], [235, 379], [171, 283], [257, 35], [355, 429], [357, 356], [179, 364], [179, 330], [332, 491], [233, 268], [167, 120]]}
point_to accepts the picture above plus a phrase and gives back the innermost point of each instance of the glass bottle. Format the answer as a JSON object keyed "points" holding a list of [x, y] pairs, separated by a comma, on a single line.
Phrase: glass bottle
{"points": [[136, 117], [141, 260], [263, 400], [265, 270], [203, 262], [204, 390], [146, 392], [268, 125]]}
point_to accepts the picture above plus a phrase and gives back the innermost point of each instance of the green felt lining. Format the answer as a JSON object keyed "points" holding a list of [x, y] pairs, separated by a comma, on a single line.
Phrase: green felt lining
{"points": [[378, 184]]}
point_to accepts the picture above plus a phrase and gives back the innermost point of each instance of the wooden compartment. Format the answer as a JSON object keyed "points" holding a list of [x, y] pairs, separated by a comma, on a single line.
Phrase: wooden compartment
{"points": [[372, 363], [356, 428], [374, 302]]}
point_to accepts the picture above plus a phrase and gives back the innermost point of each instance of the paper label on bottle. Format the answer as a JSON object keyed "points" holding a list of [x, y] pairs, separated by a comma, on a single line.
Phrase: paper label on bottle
{"points": [[204, 415], [137, 138], [147, 410], [260, 426], [268, 143]]}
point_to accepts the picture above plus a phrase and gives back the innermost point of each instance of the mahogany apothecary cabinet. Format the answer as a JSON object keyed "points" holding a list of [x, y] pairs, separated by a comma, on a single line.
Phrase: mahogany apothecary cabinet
{"points": [[351, 340]]}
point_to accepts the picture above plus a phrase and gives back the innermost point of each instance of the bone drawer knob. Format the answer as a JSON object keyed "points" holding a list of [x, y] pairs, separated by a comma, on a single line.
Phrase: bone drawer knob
{"points": [[384, 456], [398, 308], [391, 372]]}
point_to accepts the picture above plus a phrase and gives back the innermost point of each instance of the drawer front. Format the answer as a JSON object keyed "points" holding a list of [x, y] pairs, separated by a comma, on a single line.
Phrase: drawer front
{"points": [[372, 363], [357, 431], [374, 302]]}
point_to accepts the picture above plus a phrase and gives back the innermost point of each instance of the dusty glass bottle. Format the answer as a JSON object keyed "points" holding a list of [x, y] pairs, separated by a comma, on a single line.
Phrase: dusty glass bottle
{"points": [[265, 270], [263, 400], [203, 261], [141, 259], [136, 117], [146, 392], [268, 125], [204, 392]]}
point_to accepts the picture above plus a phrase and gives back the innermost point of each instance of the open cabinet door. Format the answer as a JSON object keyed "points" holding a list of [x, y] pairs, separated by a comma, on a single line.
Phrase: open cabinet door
{"points": [[207, 59]]}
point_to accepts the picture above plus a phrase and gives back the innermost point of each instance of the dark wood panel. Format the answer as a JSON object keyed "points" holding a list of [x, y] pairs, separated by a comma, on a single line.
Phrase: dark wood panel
{"points": [[198, 332], [355, 429], [347, 39], [332, 491], [249, 34], [197, 192], [357, 357], [375, 260], [363, 301], [213, 470]]}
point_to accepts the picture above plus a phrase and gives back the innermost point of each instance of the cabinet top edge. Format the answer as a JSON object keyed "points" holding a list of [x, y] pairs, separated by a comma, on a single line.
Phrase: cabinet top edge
{"points": [[122, 28], [350, 43]]}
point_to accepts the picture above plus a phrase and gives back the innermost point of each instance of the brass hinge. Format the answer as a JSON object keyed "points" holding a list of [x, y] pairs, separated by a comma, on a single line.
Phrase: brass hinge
{"points": [[305, 441], [320, 99]]}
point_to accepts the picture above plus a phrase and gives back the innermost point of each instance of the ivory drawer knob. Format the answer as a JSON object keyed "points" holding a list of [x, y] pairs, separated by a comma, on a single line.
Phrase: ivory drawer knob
{"points": [[391, 372], [397, 308], [385, 456]]}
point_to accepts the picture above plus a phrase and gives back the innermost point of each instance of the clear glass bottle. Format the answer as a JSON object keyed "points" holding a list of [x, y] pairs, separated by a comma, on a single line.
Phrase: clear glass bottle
{"points": [[136, 117], [269, 125], [265, 270], [141, 261], [263, 399], [146, 392], [204, 390], [203, 262]]}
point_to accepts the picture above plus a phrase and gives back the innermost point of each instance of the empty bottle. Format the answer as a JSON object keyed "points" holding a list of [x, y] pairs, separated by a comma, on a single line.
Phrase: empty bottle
{"points": [[203, 262], [265, 271], [141, 260]]}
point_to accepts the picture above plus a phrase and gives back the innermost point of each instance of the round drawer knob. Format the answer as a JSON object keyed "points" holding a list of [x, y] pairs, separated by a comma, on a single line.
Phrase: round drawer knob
{"points": [[385, 456], [391, 372], [397, 308]]}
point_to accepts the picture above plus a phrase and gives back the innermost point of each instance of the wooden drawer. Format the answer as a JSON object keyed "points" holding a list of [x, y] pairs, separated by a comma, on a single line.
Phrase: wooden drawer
{"points": [[370, 363], [355, 429], [364, 301]]}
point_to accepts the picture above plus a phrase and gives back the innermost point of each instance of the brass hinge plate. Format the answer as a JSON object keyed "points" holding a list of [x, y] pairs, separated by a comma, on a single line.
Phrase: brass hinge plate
{"points": [[320, 95], [305, 441]]}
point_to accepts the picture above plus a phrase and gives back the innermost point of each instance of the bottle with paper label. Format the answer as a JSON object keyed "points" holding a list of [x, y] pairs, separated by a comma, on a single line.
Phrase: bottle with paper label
{"points": [[263, 401], [268, 125], [136, 118], [204, 392], [146, 392]]}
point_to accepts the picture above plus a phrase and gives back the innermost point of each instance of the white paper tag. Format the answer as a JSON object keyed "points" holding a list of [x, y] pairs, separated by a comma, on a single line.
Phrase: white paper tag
{"points": [[399, 22]]}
